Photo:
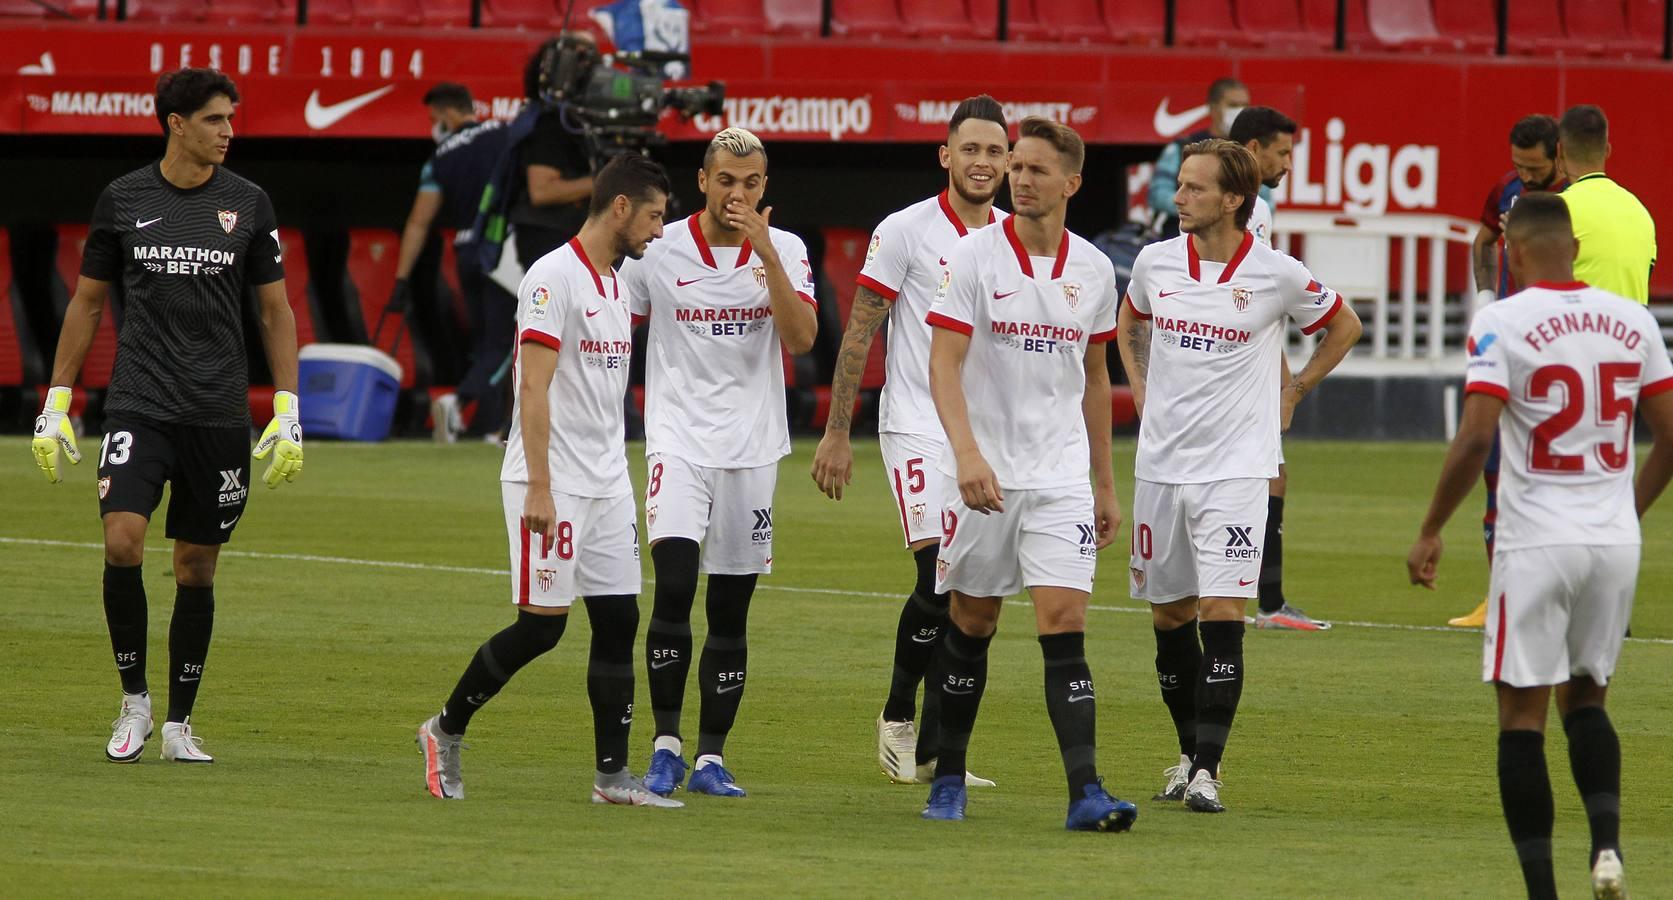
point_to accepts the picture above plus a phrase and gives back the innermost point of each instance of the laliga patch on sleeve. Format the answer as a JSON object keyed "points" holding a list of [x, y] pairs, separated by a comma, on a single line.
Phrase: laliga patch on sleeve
{"points": [[540, 299]]}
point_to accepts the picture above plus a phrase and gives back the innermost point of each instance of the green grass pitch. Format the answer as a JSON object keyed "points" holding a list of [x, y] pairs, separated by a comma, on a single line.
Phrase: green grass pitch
{"points": [[1361, 764]]}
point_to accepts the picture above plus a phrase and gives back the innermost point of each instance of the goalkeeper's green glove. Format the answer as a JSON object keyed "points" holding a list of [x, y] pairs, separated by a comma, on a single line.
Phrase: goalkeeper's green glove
{"points": [[283, 439], [53, 433]]}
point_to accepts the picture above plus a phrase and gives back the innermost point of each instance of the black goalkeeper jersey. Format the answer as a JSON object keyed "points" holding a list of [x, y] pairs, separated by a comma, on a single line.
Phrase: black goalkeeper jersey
{"points": [[184, 259]]}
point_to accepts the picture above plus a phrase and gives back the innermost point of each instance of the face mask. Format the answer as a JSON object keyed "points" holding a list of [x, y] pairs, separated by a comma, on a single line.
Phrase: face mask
{"points": [[439, 132], [1228, 116]]}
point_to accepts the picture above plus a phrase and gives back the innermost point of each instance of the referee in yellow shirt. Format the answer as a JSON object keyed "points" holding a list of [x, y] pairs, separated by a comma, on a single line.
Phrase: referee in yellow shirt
{"points": [[1616, 234]]}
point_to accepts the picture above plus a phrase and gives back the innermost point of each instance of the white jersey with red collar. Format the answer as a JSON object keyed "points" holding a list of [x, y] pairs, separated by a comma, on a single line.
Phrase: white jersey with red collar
{"points": [[1029, 320], [1260, 221], [1571, 363], [1217, 329], [714, 376], [566, 304], [904, 262]]}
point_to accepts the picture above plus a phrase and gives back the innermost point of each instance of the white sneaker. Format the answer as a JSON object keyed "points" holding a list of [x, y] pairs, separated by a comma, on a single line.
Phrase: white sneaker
{"points": [[445, 420], [1178, 777], [131, 729], [1609, 882], [623, 789], [926, 775], [897, 745], [180, 745], [1203, 794], [441, 761]]}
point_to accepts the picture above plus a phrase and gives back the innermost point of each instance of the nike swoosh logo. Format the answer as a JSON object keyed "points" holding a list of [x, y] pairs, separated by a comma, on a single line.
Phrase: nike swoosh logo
{"points": [[226, 525], [1168, 124], [593, 312], [960, 693], [1218, 680], [139, 224], [472, 701], [924, 640], [729, 688], [943, 262], [277, 257], [125, 744], [662, 663], [1169, 293], [681, 282], [999, 296], [1076, 698], [184, 679], [126, 667], [1242, 583], [321, 117]]}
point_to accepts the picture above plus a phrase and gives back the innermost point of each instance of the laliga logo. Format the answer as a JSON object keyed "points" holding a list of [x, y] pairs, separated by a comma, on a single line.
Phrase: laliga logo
{"points": [[1368, 174]]}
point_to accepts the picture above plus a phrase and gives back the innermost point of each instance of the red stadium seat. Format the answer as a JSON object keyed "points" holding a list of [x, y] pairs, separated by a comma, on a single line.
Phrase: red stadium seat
{"points": [[11, 345], [1141, 22], [391, 13], [330, 12], [1602, 27], [297, 284], [791, 18], [1208, 23], [1645, 21], [1405, 24], [249, 12], [1277, 23], [101, 357], [946, 19], [1024, 23], [868, 19], [1054, 20], [167, 10], [845, 255], [371, 267], [23, 9], [1536, 26], [729, 17], [1470, 25], [530, 14], [1319, 16]]}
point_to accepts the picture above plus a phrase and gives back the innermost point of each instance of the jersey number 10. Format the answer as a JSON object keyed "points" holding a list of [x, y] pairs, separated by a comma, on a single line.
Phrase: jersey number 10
{"points": [[1612, 409]]}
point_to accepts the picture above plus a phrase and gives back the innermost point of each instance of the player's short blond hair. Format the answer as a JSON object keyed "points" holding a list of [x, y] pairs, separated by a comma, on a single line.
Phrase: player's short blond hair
{"points": [[1239, 173], [739, 142]]}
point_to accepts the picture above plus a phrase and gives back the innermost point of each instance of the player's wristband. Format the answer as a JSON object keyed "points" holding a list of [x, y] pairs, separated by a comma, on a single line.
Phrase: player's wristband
{"points": [[1484, 297], [285, 403], [57, 400]]}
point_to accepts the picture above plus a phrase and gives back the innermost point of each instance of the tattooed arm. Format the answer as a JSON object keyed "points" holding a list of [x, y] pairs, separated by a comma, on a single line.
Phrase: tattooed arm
{"points": [[833, 462], [1134, 337]]}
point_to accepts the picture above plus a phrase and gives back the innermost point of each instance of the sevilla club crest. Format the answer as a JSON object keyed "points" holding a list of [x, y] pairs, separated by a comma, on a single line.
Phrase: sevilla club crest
{"points": [[1241, 298], [1071, 293], [760, 273], [229, 219]]}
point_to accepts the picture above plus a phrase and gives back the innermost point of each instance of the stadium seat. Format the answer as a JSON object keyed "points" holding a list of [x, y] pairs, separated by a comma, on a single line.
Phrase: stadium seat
{"points": [[371, 270], [869, 19], [1405, 25], [529, 14], [1645, 21], [11, 345], [729, 17], [1208, 23], [1024, 24], [790, 18], [23, 9], [297, 284], [947, 19], [167, 10], [330, 12], [1142, 22], [101, 357], [1601, 27], [1536, 26], [1319, 17], [249, 12], [1277, 23], [1471, 25], [387, 13]]}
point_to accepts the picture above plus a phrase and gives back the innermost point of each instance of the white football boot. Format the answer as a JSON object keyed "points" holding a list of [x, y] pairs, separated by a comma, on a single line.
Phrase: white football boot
{"points": [[131, 729], [1609, 882], [441, 761], [623, 789], [897, 744], [180, 745], [1178, 777]]}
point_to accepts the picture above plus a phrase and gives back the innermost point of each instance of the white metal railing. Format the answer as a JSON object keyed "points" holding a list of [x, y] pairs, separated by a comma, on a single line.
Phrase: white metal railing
{"points": [[1350, 254]]}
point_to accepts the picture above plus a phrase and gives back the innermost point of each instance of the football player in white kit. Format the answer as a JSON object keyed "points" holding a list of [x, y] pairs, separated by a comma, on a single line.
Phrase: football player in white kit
{"points": [[1020, 381], [727, 295], [1211, 411], [1270, 136], [904, 262], [1556, 371], [568, 503]]}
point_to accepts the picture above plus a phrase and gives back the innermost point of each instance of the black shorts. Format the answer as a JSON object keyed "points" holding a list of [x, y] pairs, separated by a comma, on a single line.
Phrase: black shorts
{"points": [[208, 471]]}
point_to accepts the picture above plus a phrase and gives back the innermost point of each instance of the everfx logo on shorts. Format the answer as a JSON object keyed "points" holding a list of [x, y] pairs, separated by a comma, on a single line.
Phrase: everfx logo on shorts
{"points": [[762, 533], [1088, 540], [233, 490], [1239, 544]]}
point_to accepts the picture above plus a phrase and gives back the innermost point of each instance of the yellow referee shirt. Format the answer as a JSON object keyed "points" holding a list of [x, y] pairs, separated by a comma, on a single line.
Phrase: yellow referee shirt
{"points": [[1616, 234]]}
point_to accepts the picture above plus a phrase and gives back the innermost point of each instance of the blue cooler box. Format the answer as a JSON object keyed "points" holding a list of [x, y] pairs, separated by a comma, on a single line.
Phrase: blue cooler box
{"points": [[348, 391]]}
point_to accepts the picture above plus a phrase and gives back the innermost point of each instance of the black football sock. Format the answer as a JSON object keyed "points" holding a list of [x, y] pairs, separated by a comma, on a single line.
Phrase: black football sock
{"points": [[188, 646], [961, 664], [1594, 756], [496, 661], [1525, 793], [615, 624], [929, 724], [916, 635], [1220, 686], [1073, 707], [668, 637], [1178, 661], [1271, 588], [125, 614], [725, 661]]}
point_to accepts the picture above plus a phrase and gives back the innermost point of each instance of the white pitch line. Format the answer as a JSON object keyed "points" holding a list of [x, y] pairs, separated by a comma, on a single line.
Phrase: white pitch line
{"points": [[765, 586]]}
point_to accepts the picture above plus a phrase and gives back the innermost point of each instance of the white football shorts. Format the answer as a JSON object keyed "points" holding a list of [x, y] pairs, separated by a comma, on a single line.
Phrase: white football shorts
{"points": [[909, 462], [594, 551], [1044, 538], [1556, 612], [1197, 540], [728, 511]]}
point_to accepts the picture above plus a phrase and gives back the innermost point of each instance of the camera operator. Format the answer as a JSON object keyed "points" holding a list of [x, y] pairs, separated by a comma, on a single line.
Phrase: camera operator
{"points": [[449, 189], [555, 168]]}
